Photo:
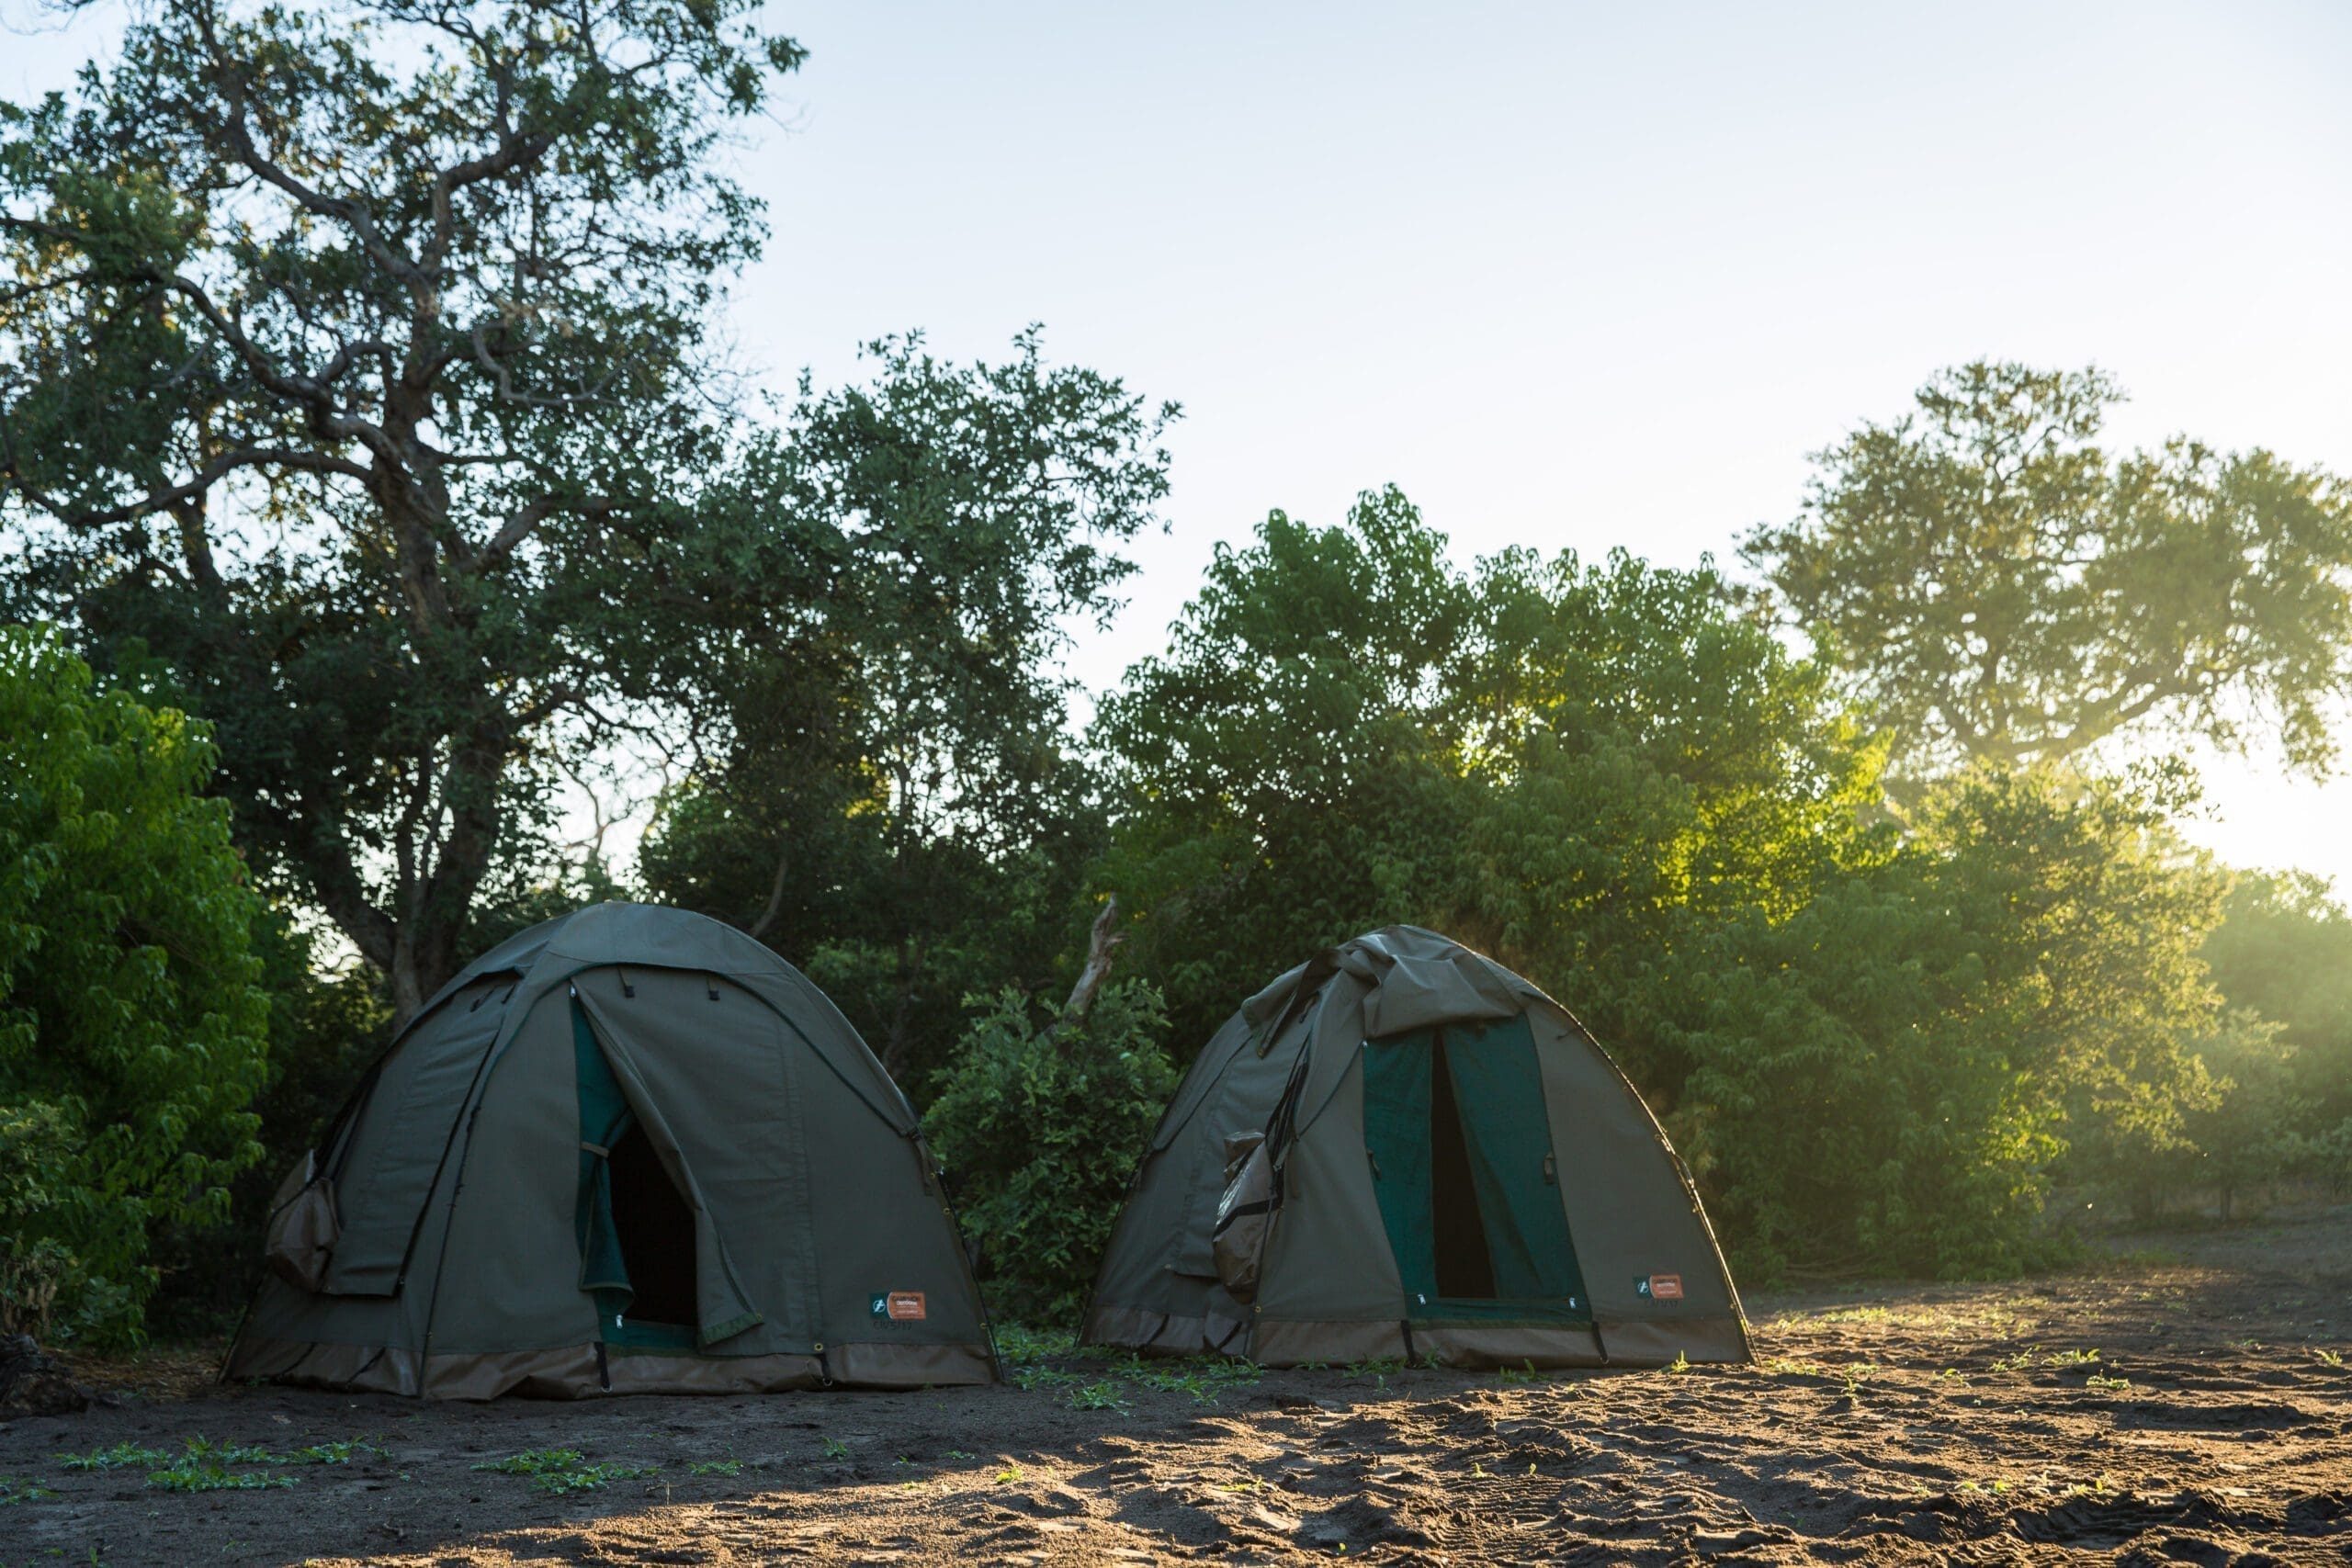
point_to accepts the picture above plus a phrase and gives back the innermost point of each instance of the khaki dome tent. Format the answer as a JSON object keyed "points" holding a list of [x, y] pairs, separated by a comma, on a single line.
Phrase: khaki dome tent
{"points": [[629, 1151], [1402, 1149]]}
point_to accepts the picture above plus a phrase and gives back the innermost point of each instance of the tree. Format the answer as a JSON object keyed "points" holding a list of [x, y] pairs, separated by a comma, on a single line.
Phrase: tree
{"points": [[1888, 1078], [133, 1034], [1564, 763], [2000, 588], [358, 366], [898, 805]]}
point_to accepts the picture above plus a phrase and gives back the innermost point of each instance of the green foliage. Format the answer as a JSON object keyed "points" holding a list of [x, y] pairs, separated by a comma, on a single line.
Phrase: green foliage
{"points": [[2020, 972], [2000, 588], [326, 1028], [133, 1032], [1566, 765], [361, 379], [1039, 1130], [2283, 954], [123, 1456], [899, 808], [561, 1472]]}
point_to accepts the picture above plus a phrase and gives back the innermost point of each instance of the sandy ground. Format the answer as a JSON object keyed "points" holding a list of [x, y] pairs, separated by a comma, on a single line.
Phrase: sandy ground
{"points": [[2193, 1407]]}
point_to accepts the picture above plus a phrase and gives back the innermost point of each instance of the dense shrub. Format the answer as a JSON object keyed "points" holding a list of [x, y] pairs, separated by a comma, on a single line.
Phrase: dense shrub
{"points": [[1040, 1130], [133, 1032]]}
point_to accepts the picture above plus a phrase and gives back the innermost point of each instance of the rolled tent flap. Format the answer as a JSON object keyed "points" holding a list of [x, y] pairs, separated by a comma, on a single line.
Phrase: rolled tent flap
{"points": [[608, 1075]]}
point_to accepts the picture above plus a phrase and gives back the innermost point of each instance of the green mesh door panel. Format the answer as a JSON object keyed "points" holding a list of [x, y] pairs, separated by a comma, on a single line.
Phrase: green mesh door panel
{"points": [[1499, 1088], [1397, 1140], [1499, 1095]]}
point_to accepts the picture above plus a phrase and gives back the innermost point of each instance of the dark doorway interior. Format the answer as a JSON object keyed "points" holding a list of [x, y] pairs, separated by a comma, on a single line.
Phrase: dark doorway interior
{"points": [[1464, 1270], [656, 1229]]}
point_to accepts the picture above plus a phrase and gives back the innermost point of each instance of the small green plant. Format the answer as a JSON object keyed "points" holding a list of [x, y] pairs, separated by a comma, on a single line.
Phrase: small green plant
{"points": [[2017, 1362], [560, 1471], [1951, 1374], [1856, 1374], [534, 1461], [123, 1456], [190, 1473], [1525, 1373], [727, 1467], [2072, 1358], [836, 1449], [1101, 1395], [1009, 1476], [2330, 1357], [2095, 1381], [13, 1491], [327, 1453], [1681, 1364]]}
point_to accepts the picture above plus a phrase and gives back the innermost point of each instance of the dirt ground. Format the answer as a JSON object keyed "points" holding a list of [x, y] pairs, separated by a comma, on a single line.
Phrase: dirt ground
{"points": [[2192, 1405]]}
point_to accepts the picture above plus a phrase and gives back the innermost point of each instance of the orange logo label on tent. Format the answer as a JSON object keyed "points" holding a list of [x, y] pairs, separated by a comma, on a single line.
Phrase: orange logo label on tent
{"points": [[906, 1306], [1666, 1287]]}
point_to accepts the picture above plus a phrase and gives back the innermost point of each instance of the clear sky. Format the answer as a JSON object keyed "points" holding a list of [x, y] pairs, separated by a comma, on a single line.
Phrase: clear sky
{"points": [[1572, 275]]}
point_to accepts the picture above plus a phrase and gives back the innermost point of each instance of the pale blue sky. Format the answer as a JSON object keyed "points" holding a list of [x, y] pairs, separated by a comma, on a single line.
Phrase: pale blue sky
{"points": [[1571, 274]]}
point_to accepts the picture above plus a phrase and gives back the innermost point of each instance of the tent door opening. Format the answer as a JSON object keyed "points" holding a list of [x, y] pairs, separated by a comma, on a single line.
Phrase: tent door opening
{"points": [[655, 1228], [1463, 1269], [1460, 1146]]}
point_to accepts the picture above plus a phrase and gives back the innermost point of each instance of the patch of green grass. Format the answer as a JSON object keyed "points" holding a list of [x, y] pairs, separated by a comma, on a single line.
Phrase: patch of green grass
{"points": [[123, 1456], [13, 1491], [190, 1473], [1785, 1366], [206, 1451], [560, 1471], [534, 1461], [836, 1449], [1857, 1314], [1525, 1373], [1018, 1345], [2071, 1358], [1101, 1395], [327, 1453], [727, 1467]]}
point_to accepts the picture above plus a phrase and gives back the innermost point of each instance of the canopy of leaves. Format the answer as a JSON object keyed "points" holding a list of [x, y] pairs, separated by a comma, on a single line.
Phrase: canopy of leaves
{"points": [[1998, 587], [896, 803], [1563, 764], [356, 366], [1884, 1081], [133, 1032]]}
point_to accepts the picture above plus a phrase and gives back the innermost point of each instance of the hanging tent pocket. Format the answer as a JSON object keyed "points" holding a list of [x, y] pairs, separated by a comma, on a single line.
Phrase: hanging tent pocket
{"points": [[304, 1228], [650, 1249]]}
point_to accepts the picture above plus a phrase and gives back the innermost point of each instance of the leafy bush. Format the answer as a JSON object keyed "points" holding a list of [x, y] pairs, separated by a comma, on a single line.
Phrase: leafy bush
{"points": [[133, 1033], [1885, 1081], [1040, 1130]]}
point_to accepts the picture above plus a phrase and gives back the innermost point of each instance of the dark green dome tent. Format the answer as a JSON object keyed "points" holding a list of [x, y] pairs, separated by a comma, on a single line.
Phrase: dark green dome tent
{"points": [[1401, 1148], [627, 1151]]}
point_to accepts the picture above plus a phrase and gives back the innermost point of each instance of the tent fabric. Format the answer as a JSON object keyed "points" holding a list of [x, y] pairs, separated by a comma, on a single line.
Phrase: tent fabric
{"points": [[488, 1172], [1428, 1089]]}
